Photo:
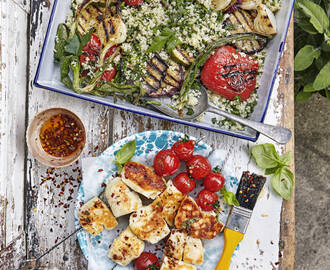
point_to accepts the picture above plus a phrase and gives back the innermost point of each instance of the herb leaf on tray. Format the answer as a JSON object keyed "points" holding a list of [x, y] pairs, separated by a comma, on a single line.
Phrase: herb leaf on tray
{"points": [[125, 154], [229, 197]]}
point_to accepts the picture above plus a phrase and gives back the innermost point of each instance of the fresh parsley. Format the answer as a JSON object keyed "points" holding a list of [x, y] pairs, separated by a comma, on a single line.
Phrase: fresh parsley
{"points": [[166, 39], [187, 223], [125, 154], [267, 158]]}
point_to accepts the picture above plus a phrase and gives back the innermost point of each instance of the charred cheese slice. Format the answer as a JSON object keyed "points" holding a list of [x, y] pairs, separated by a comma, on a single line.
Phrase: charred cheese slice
{"points": [[143, 179], [125, 248], [168, 202], [121, 199], [197, 223], [148, 225], [173, 264], [95, 215], [175, 245], [193, 251]]}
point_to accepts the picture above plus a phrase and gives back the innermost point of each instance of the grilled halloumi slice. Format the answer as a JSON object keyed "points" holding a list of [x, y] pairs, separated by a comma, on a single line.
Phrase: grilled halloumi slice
{"points": [[168, 202], [95, 215], [173, 264], [148, 225], [125, 248], [175, 245], [143, 179], [198, 224], [121, 199], [193, 251], [242, 22]]}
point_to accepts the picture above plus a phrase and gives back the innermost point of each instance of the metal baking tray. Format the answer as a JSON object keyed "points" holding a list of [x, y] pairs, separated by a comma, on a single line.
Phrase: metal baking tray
{"points": [[48, 75]]}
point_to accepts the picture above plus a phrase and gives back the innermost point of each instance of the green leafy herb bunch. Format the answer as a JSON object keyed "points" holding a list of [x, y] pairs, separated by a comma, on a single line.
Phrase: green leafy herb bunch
{"points": [[312, 48]]}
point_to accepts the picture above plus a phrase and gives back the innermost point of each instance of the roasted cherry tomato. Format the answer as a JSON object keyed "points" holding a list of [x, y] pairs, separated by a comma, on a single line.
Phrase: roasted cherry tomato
{"points": [[93, 45], [134, 3], [214, 181], [166, 163], [147, 261], [184, 149], [198, 167], [205, 199], [108, 75], [230, 74], [184, 183]]}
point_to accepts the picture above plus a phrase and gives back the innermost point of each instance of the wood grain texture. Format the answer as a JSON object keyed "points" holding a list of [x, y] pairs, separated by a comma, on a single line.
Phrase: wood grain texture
{"points": [[50, 192], [286, 97]]}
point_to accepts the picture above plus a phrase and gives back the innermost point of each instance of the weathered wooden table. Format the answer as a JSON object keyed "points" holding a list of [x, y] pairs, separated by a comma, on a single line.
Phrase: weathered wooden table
{"points": [[37, 202]]}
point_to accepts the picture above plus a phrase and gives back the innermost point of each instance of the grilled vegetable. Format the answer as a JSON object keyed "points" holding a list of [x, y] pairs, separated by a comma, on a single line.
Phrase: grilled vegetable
{"points": [[162, 80], [182, 57], [89, 16], [265, 22], [111, 31], [242, 22], [222, 4], [60, 41], [192, 72], [250, 4]]}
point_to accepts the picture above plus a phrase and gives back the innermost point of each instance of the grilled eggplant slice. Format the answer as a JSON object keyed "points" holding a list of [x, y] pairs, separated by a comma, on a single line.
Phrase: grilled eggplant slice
{"points": [[161, 79], [182, 57], [242, 22]]}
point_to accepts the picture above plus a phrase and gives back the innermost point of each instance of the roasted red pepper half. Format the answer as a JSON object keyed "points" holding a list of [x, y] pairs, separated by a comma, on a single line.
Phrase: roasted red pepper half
{"points": [[230, 73]]}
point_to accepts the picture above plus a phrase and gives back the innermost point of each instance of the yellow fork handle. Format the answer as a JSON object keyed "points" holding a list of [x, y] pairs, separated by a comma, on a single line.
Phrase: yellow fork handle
{"points": [[232, 239]]}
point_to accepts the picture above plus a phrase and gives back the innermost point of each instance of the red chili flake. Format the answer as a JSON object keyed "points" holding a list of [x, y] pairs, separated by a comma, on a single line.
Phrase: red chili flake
{"points": [[103, 184], [60, 136], [100, 170]]}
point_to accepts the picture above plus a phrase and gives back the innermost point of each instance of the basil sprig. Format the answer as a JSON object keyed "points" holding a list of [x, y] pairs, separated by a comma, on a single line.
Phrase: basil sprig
{"points": [[125, 154], [267, 158]]}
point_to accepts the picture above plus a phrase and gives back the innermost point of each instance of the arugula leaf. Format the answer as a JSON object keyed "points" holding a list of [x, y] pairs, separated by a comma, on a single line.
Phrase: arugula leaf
{"points": [[283, 182], [125, 154], [73, 45], [305, 57], [303, 96], [265, 155], [318, 17], [229, 197], [323, 78]]}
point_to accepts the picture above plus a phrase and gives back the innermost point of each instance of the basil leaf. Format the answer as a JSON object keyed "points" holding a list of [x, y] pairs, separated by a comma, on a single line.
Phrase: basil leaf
{"points": [[307, 27], [323, 78], [282, 182], [327, 93], [229, 197], [303, 96], [172, 43], [305, 57], [265, 155], [160, 41], [309, 88], [286, 158], [271, 170], [125, 154], [317, 15], [73, 45]]}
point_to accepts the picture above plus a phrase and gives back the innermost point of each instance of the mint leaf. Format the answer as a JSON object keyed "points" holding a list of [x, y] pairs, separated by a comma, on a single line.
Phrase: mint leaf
{"points": [[303, 96], [305, 57], [265, 155], [318, 17], [323, 78], [229, 197], [283, 182]]}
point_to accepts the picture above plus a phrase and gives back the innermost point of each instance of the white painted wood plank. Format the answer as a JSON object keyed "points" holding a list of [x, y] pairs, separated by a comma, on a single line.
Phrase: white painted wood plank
{"points": [[13, 60], [50, 204]]}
